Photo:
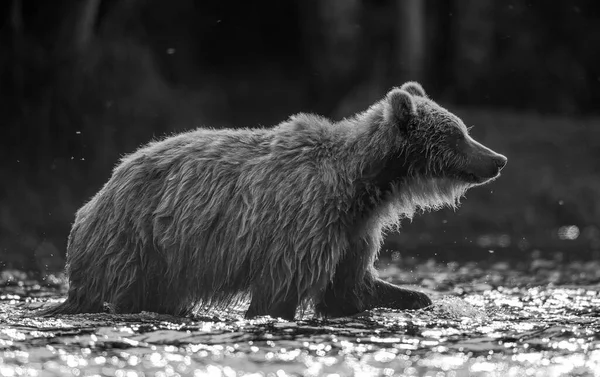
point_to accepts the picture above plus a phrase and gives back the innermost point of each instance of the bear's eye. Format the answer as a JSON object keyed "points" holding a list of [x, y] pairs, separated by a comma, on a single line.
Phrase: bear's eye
{"points": [[455, 139]]}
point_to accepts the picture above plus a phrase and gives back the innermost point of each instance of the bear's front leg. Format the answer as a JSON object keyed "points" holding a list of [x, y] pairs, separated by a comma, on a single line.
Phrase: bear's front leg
{"points": [[342, 297], [391, 296]]}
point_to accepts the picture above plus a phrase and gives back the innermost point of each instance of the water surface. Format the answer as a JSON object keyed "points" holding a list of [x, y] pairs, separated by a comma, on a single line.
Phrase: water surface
{"points": [[535, 317]]}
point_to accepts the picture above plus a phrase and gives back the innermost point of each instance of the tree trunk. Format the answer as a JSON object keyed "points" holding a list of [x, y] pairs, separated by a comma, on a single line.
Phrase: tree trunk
{"points": [[78, 28], [332, 44], [473, 36], [410, 40]]}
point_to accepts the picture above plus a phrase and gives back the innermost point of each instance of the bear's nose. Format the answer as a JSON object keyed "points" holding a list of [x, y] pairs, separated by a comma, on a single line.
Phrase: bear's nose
{"points": [[500, 161]]}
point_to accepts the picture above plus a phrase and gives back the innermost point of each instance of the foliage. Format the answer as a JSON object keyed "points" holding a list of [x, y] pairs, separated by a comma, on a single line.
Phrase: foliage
{"points": [[74, 102]]}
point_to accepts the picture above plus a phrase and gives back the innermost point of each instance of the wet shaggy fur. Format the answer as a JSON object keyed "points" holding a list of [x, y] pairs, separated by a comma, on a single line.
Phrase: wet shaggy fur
{"points": [[289, 215]]}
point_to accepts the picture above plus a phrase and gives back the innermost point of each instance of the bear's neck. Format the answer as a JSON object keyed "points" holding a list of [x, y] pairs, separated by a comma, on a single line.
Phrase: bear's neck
{"points": [[380, 163]]}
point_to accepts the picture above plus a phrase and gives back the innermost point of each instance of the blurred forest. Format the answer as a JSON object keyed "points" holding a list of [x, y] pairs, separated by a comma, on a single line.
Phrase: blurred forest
{"points": [[84, 81]]}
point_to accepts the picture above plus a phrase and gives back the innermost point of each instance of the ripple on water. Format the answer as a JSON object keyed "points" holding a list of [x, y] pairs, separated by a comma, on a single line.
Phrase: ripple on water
{"points": [[507, 325]]}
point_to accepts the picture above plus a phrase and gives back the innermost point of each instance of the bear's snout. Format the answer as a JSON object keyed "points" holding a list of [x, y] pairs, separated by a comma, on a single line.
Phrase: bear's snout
{"points": [[483, 163], [500, 161]]}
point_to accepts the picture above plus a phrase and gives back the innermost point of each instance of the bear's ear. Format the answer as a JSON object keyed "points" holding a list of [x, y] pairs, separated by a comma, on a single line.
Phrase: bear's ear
{"points": [[398, 105], [414, 88]]}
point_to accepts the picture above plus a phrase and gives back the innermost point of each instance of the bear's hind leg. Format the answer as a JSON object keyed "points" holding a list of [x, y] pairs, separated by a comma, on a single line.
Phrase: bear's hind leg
{"points": [[284, 308]]}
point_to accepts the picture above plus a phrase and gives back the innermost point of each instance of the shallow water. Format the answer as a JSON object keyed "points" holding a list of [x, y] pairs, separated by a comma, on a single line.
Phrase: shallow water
{"points": [[532, 318]]}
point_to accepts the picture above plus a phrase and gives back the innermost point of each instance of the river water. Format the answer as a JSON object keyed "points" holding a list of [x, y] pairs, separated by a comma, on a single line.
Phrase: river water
{"points": [[534, 317]]}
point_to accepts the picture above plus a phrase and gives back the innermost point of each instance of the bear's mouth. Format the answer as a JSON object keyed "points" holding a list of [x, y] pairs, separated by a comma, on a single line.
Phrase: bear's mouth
{"points": [[474, 179]]}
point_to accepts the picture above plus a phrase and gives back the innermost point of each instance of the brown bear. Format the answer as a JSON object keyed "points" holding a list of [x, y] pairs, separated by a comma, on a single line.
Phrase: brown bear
{"points": [[290, 215]]}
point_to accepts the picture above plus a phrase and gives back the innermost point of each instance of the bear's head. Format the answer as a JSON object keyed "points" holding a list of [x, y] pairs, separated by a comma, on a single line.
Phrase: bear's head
{"points": [[435, 143]]}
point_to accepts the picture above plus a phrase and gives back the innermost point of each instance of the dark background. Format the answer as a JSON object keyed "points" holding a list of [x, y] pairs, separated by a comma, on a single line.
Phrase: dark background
{"points": [[83, 82]]}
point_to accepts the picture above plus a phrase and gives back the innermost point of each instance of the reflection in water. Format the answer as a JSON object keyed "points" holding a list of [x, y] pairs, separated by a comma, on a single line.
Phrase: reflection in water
{"points": [[540, 318], [570, 232]]}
